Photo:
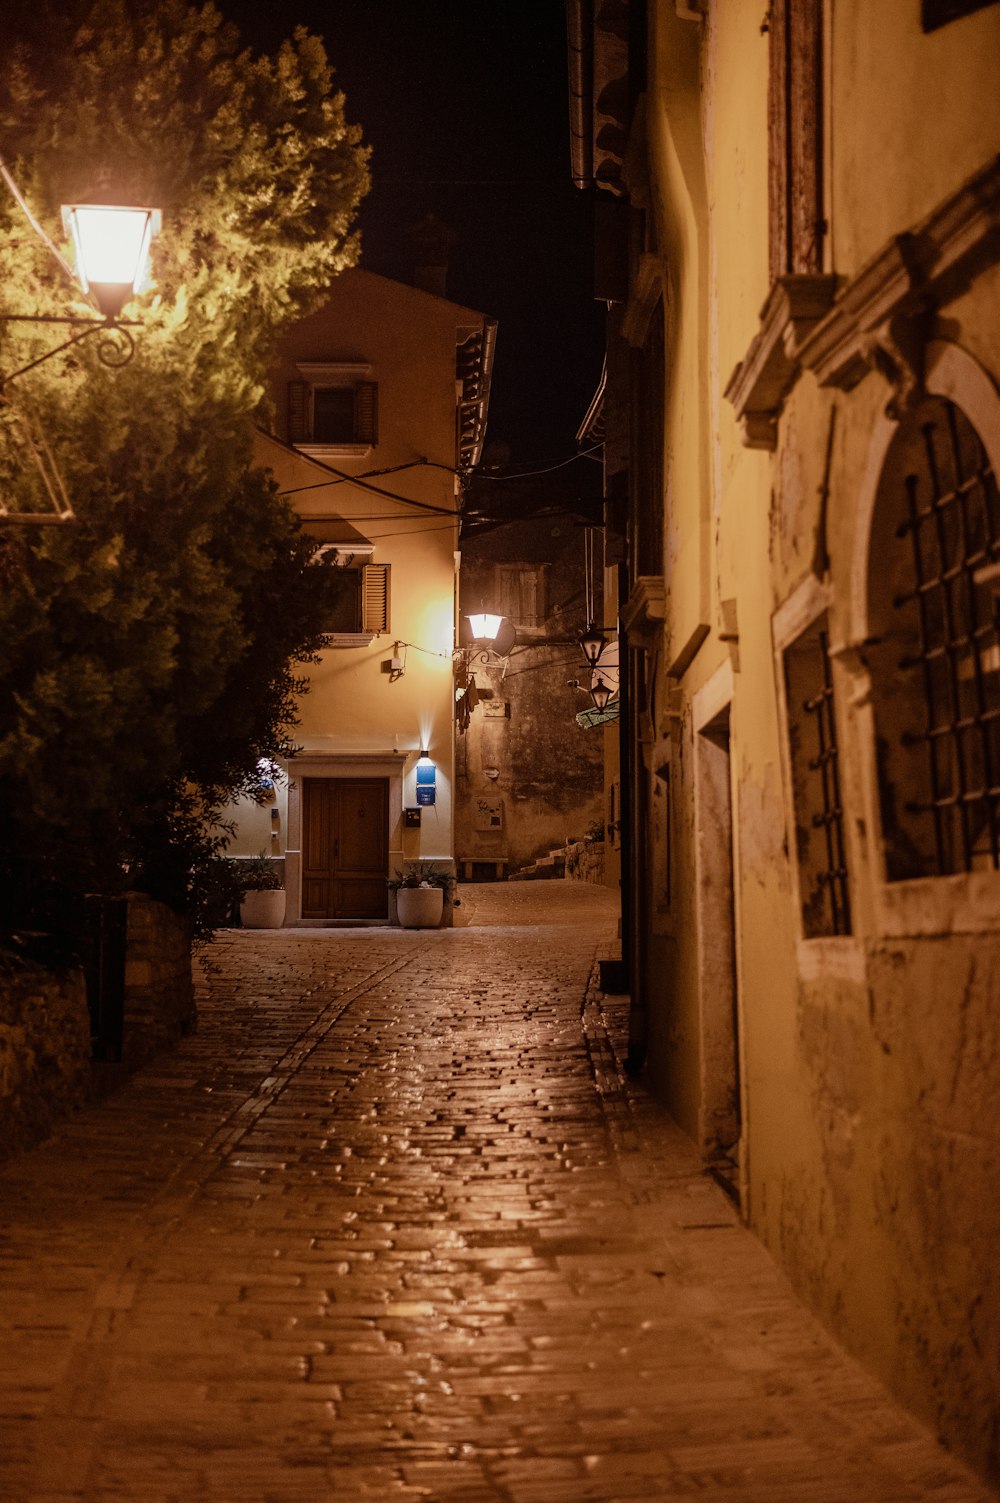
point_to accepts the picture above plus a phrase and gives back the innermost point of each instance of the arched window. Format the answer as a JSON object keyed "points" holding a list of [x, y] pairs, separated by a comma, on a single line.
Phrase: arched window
{"points": [[934, 649]]}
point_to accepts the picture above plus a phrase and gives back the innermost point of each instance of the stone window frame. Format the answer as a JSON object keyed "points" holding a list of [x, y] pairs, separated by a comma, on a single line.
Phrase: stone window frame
{"points": [[821, 954], [966, 902]]}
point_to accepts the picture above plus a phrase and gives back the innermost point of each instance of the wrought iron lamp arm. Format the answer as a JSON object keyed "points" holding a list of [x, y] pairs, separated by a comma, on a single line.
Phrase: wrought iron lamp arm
{"points": [[109, 351]]}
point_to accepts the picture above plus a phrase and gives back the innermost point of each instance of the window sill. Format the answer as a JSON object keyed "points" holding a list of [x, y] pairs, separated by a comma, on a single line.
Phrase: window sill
{"points": [[335, 451], [349, 639], [964, 904]]}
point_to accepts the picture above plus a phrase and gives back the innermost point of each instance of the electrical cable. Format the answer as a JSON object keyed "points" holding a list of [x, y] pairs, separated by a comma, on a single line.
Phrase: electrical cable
{"points": [[545, 470]]}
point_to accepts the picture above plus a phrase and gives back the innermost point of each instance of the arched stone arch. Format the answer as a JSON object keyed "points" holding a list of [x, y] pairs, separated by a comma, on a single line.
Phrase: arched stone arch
{"points": [[923, 626]]}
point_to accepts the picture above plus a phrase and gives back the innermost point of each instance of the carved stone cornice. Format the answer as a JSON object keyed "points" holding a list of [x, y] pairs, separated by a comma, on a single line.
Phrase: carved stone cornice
{"points": [[882, 316], [643, 614], [647, 288], [759, 384], [879, 320]]}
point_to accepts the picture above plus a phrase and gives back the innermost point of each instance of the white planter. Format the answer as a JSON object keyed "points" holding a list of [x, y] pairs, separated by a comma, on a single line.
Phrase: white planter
{"points": [[263, 910], [419, 907]]}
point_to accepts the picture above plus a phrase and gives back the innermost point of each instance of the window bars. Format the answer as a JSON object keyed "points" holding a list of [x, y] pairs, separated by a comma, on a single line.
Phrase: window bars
{"points": [[831, 877], [953, 523]]}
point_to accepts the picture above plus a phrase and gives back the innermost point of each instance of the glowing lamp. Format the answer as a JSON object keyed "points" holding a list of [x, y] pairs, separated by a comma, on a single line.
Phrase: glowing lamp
{"points": [[485, 627], [600, 694], [593, 643], [111, 243]]}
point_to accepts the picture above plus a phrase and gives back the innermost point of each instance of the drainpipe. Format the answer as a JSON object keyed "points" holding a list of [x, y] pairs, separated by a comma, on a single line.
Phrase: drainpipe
{"points": [[580, 56]]}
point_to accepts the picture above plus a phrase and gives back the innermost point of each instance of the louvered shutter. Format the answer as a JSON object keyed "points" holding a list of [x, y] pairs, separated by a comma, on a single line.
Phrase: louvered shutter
{"points": [[375, 598], [298, 412], [366, 412]]}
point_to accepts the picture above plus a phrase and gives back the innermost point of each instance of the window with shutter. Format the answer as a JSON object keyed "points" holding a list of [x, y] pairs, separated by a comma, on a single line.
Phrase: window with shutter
{"points": [[333, 409], [375, 598], [362, 610]]}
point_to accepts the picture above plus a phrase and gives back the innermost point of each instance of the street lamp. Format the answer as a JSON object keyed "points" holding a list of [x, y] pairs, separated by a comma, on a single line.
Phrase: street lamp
{"points": [[593, 643], [111, 242], [600, 694], [488, 632]]}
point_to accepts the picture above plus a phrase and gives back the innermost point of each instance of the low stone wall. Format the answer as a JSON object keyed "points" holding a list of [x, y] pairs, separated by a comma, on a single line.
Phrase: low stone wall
{"points": [[44, 1051], [46, 1071], [159, 992], [585, 861]]}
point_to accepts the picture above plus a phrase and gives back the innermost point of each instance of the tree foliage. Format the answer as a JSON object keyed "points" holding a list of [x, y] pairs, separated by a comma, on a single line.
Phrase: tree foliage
{"points": [[148, 649]]}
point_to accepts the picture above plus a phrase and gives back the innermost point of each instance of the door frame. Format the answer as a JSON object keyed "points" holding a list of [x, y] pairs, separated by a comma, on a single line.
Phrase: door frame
{"points": [[388, 765], [711, 706]]}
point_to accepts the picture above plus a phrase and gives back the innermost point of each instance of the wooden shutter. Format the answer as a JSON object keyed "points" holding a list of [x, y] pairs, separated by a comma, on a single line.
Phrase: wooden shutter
{"points": [[298, 412], [375, 598], [366, 412]]}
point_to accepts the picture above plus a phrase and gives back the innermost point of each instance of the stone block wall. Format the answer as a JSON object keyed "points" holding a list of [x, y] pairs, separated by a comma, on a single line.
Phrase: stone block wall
{"points": [[44, 1052], [159, 993]]}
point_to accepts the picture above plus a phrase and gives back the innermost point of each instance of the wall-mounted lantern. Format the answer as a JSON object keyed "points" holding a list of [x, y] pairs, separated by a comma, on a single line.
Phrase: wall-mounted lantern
{"points": [[593, 643], [601, 693], [487, 632]]}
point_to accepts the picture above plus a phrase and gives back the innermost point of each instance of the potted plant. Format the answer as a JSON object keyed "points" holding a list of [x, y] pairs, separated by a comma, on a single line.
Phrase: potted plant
{"points": [[421, 889], [263, 902]]}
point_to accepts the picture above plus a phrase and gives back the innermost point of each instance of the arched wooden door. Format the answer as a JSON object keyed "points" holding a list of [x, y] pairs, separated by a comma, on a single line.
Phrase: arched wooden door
{"points": [[345, 848]]}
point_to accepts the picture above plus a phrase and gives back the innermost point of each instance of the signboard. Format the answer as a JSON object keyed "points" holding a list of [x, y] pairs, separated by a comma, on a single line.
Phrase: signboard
{"points": [[426, 794], [589, 718]]}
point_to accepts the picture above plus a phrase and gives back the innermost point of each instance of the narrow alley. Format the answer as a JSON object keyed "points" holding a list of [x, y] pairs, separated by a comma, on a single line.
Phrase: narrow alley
{"points": [[391, 1225]]}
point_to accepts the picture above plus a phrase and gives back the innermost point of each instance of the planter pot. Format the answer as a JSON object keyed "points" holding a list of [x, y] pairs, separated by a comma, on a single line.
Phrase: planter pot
{"points": [[263, 910], [419, 907]]}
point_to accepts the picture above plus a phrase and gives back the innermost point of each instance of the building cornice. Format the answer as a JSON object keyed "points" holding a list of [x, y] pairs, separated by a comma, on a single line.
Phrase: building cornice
{"points": [[877, 320]]}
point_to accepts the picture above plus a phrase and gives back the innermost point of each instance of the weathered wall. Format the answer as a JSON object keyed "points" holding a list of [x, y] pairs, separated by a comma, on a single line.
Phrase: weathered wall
{"points": [[868, 1063], [44, 1052], [159, 992], [549, 771]]}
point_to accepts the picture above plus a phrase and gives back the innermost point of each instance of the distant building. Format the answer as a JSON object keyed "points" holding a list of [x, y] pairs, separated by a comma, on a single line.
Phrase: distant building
{"points": [[390, 382], [528, 776], [799, 241]]}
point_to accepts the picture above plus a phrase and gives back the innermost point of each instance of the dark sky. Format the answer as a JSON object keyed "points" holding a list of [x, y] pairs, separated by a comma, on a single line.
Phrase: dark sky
{"points": [[465, 108]]}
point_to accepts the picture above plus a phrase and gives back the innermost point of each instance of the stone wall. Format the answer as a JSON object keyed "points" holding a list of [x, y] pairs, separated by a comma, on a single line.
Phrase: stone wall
{"points": [[159, 993], [44, 1051], [45, 1047]]}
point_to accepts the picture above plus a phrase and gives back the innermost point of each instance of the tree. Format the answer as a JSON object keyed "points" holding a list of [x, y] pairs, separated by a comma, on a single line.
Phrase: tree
{"points": [[148, 650]]}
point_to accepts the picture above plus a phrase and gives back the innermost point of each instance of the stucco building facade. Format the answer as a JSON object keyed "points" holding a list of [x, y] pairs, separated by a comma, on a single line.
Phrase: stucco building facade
{"points": [[798, 240], [378, 400]]}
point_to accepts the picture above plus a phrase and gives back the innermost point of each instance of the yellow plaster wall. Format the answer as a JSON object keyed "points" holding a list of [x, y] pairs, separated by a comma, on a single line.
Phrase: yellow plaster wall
{"points": [[869, 1082], [353, 706], [913, 115]]}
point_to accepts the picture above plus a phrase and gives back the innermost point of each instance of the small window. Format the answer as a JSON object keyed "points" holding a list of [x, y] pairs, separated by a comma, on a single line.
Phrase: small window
{"points": [[935, 652], [815, 766], [520, 593], [795, 128], [333, 407], [363, 606]]}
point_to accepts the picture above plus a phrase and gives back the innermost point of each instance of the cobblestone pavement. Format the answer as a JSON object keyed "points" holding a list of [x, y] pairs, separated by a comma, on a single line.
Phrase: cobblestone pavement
{"points": [[390, 1226]]}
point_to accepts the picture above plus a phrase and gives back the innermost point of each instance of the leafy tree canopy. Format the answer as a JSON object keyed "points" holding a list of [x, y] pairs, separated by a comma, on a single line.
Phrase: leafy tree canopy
{"points": [[148, 649]]}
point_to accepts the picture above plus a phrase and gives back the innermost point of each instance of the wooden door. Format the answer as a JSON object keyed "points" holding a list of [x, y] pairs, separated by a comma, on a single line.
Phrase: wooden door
{"points": [[345, 848]]}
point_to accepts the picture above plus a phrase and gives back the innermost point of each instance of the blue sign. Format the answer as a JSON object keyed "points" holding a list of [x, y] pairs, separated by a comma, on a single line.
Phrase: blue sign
{"points": [[426, 795]]}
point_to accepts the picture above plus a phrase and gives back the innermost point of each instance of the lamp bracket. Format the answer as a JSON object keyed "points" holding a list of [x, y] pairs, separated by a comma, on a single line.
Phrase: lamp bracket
{"points": [[109, 352]]}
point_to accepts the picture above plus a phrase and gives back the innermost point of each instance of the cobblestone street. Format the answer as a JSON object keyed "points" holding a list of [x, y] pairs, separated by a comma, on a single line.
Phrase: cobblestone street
{"points": [[391, 1226]]}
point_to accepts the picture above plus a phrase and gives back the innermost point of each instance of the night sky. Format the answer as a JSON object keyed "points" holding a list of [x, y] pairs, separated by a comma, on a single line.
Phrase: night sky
{"points": [[465, 108]]}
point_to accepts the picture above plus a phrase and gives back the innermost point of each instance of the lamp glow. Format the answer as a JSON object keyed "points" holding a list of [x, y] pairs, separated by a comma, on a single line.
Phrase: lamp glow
{"points": [[600, 694], [112, 250], [485, 626], [593, 643]]}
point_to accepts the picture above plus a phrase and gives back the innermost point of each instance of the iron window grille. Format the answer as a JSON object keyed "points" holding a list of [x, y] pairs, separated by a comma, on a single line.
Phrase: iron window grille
{"points": [[815, 762], [952, 525]]}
